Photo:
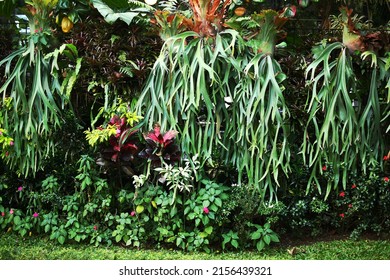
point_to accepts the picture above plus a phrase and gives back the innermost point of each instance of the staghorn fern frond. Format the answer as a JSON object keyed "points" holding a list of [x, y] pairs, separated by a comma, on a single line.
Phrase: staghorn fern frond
{"points": [[262, 30], [34, 98], [187, 90], [337, 133]]}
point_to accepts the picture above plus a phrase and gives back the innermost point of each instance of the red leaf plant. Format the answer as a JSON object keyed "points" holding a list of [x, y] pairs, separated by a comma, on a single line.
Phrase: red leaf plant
{"points": [[122, 147], [160, 147]]}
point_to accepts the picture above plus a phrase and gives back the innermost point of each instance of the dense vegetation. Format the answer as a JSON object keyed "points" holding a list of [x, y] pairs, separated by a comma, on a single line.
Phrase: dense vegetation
{"points": [[201, 125]]}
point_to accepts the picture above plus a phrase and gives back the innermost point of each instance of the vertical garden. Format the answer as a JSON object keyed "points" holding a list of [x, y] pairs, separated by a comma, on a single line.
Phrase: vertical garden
{"points": [[194, 124]]}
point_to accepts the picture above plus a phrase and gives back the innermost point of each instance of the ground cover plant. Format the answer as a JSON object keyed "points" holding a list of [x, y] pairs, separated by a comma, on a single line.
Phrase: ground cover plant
{"points": [[14, 247], [199, 125]]}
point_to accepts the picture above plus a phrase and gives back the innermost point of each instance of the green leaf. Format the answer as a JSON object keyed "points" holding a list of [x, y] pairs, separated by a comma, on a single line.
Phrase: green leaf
{"points": [[267, 239], [139, 209], [255, 235], [111, 16], [61, 239], [213, 208], [205, 219], [191, 216], [158, 201], [260, 245], [226, 239], [16, 220], [274, 238], [209, 230], [234, 243]]}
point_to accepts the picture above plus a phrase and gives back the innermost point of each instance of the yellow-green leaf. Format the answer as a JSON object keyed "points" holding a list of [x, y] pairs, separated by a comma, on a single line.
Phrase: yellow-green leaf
{"points": [[139, 209]]}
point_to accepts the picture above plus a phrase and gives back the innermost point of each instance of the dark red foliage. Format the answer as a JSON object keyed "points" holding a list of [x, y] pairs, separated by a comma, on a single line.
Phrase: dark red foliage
{"points": [[160, 147], [122, 147]]}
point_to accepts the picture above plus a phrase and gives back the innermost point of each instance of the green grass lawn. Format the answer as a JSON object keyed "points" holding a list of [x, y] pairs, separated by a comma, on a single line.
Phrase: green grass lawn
{"points": [[13, 247]]}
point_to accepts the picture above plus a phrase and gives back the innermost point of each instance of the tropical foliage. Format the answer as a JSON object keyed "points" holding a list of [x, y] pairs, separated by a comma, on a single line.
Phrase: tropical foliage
{"points": [[223, 93], [198, 125], [32, 96], [349, 133]]}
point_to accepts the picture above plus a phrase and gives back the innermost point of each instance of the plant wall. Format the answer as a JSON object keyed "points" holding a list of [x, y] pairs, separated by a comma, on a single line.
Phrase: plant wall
{"points": [[195, 124]]}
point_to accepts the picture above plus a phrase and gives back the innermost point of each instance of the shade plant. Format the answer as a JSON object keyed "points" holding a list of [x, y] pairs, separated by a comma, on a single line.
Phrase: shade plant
{"points": [[116, 54], [347, 107], [221, 91], [32, 98], [117, 139]]}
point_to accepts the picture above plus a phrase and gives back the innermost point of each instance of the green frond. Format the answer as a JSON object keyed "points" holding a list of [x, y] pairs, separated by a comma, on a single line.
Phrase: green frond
{"points": [[187, 91]]}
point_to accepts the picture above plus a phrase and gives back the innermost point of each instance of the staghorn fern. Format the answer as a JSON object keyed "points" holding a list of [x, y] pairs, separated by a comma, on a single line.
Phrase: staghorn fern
{"points": [[187, 92], [337, 134], [335, 138], [33, 96]]}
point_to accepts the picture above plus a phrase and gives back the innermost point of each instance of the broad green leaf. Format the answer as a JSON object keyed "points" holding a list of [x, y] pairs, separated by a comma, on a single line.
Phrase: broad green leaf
{"points": [[111, 16], [16, 220], [274, 238], [256, 235], [208, 230], [61, 239], [218, 202], [234, 243], [260, 245], [267, 239]]}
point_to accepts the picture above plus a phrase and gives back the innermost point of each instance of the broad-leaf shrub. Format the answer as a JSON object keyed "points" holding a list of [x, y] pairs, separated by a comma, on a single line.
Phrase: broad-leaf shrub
{"points": [[205, 216], [263, 235]]}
